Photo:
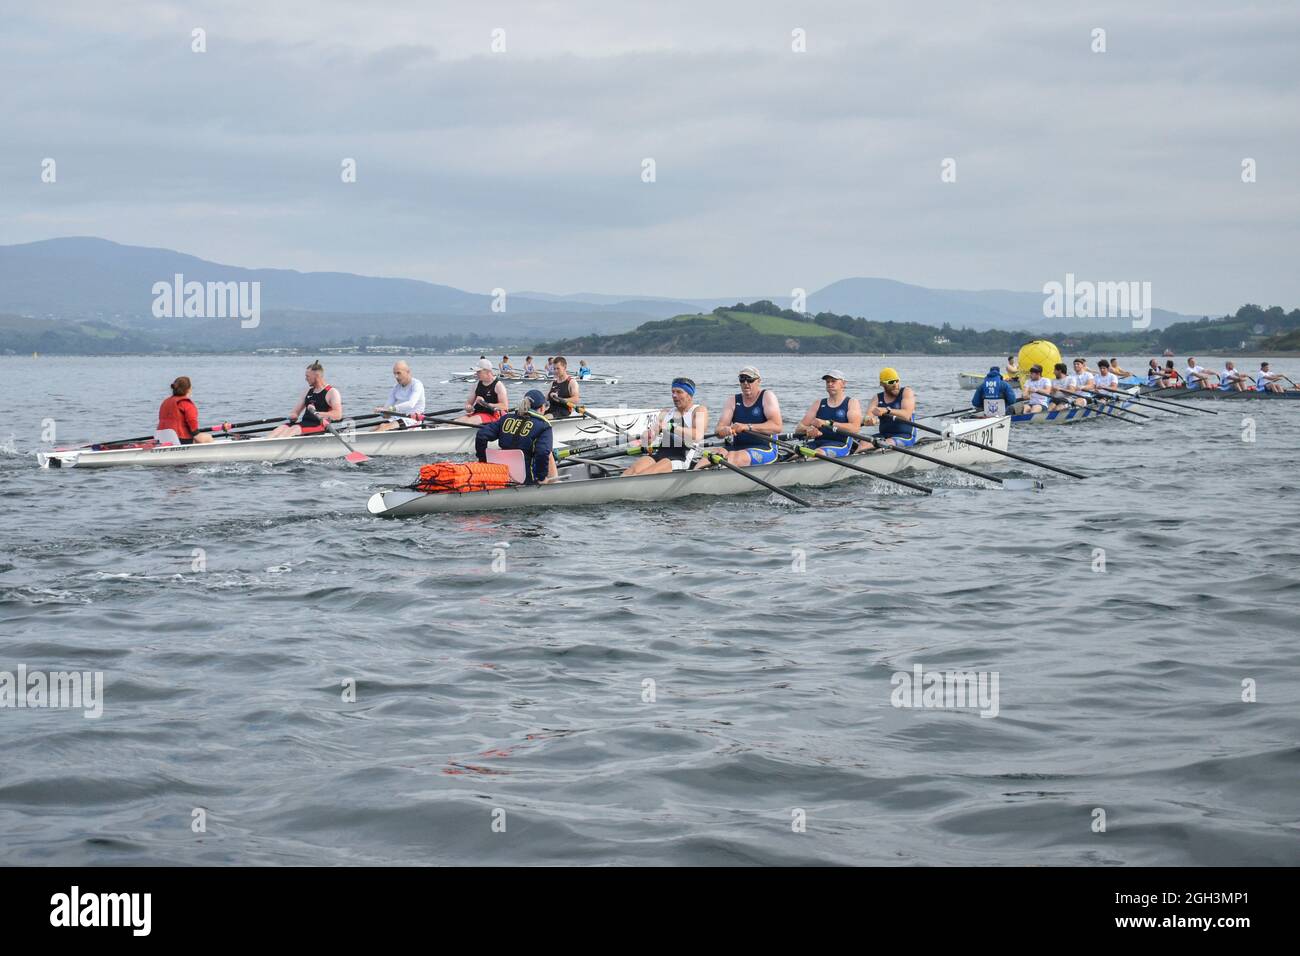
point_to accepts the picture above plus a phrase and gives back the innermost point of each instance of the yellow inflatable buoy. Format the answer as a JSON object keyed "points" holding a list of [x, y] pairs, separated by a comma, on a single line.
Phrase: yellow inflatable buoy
{"points": [[1038, 352]]}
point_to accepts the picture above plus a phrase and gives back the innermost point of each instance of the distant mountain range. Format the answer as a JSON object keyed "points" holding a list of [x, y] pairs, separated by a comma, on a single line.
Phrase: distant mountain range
{"points": [[86, 280]]}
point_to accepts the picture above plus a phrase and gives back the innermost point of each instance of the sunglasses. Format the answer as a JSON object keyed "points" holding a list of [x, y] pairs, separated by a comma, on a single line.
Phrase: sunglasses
{"points": [[746, 380], [892, 381]]}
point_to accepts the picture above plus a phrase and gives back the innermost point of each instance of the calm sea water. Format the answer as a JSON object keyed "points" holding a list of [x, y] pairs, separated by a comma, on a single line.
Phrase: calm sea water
{"points": [[654, 684]]}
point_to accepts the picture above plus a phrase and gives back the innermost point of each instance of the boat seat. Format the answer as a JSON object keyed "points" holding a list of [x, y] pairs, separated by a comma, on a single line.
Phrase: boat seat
{"points": [[166, 436], [513, 459]]}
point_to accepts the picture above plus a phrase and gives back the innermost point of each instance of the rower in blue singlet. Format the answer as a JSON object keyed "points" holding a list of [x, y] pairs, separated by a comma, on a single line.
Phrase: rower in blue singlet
{"points": [[749, 420], [838, 408], [893, 409]]}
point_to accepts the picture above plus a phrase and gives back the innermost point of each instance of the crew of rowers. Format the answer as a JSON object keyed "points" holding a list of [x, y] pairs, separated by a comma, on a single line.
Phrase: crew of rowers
{"points": [[1077, 387], [529, 370]]}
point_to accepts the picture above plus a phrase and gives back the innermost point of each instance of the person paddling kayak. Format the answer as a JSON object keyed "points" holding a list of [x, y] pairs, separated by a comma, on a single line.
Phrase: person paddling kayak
{"points": [[320, 405], [180, 415]]}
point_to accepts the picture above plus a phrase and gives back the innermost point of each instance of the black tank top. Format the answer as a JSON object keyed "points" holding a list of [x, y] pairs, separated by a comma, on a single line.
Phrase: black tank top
{"points": [[560, 390], [487, 391], [315, 401]]}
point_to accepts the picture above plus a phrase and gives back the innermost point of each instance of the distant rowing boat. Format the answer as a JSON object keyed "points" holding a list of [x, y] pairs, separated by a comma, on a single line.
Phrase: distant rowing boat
{"points": [[593, 490], [433, 440], [1215, 394], [471, 375]]}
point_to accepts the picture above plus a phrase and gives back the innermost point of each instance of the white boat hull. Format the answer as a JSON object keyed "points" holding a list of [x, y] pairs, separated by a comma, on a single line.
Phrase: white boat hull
{"points": [[400, 503], [436, 440]]}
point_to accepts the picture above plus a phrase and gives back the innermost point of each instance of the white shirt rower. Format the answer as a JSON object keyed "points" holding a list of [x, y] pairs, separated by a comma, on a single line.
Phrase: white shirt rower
{"points": [[1197, 376]]}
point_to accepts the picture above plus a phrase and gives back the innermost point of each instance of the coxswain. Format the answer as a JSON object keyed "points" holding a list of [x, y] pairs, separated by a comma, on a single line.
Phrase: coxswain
{"points": [[563, 396], [1171, 378], [675, 435], [180, 415], [321, 405], [750, 420], [488, 399], [1036, 396], [895, 408], [405, 399], [994, 396], [525, 429], [835, 409]]}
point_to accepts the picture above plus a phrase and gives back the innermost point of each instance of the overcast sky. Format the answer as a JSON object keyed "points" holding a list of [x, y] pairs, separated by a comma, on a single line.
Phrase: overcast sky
{"points": [[775, 169]]}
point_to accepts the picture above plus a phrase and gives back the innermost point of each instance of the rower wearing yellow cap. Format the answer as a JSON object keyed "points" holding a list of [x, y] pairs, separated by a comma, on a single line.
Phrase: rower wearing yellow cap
{"points": [[892, 409]]}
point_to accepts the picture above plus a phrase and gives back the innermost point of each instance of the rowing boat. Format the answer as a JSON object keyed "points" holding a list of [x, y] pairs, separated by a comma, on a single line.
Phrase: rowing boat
{"points": [[592, 489], [1216, 394], [975, 380], [472, 375], [432, 440], [1074, 414]]}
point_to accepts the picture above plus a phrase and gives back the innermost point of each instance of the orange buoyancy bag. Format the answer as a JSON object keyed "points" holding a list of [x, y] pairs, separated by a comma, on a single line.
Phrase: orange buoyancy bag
{"points": [[445, 476]]}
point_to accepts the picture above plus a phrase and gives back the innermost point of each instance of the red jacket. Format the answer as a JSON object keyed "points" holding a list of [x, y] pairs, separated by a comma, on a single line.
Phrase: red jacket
{"points": [[180, 415]]}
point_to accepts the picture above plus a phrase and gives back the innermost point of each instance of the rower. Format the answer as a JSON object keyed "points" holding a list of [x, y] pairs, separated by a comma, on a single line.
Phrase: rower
{"points": [[1060, 385], [1197, 377], [321, 405], [507, 370], [1080, 381], [584, 372], [488, 399], [550, 367], [836, 408], [894, 409], [1105, 379], [994, 396], [1266, 381], [1171, 379], [1037, 393], [1116, 370], [1154, 375], [179, 414], [563, 396], [749, 421], [1231, 380], [526, 430], [530, 370], [675, 435], [406, 398]]}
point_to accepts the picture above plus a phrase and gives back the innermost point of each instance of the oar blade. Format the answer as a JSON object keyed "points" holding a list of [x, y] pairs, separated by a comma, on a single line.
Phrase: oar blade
{"points": [[356, 458]]}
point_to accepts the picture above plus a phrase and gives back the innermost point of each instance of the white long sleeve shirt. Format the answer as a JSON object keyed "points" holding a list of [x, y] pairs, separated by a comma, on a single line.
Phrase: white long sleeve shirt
{"points": [[407, 399]]}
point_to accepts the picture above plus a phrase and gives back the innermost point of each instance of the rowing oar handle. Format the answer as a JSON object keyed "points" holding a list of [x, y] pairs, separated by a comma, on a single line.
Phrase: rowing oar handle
{"points": [[807, 452], [996, 451], [719, 459]]}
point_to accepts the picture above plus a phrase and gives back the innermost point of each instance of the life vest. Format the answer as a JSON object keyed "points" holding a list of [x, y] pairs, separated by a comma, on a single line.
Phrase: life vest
{"points": [[447, 476]]}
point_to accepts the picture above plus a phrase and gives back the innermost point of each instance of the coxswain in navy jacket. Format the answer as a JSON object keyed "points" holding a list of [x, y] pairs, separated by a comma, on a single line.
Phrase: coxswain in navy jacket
{"points": [[992, 388], [525, 430]]}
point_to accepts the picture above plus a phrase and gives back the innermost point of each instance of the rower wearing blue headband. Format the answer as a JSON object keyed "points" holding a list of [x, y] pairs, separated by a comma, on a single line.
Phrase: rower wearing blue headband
{"points": [[675, 435]]}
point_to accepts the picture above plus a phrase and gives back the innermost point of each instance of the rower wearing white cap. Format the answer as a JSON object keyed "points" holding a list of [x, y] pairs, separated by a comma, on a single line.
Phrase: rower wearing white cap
{"points": [[487, 400], [835, 408], [749, 421], [676, 434]]}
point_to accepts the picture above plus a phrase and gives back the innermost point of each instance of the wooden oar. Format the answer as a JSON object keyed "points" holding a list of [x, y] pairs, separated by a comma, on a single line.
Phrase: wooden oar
{"points": [[996, 451], [353, 456], [718, 459], [884, 443], [814, 453]]}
